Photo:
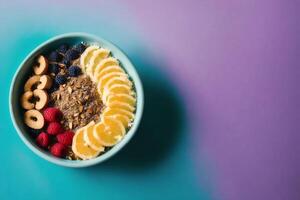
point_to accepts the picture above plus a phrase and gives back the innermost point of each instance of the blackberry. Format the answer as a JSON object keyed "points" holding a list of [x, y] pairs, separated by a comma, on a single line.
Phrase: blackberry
{"points": [[80, 47], [74, 71], [63, 48], [60, 79], [54, 68], [72, 54], [54, 56]]}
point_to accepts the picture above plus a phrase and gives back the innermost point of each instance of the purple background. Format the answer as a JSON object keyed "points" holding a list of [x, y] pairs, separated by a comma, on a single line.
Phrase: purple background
{"points": [[235, 64]]}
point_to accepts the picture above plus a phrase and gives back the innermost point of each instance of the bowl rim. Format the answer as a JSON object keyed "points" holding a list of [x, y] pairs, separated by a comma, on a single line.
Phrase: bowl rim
{"points": [[139, 108]]}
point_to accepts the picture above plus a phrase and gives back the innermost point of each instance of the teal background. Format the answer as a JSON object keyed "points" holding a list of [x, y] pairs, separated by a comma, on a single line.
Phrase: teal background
{"points": [[157, 164]]}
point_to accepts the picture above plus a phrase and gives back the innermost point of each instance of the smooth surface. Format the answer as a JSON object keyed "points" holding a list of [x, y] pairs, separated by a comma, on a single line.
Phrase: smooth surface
{"points": [[222, 115], [25, 68]]}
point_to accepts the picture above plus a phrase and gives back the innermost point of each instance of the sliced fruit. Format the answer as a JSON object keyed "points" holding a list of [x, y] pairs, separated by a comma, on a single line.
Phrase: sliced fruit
{"points": [[114, 80], [110, 69], [123, 119], [86, 56], [121, 105], [126, 98], [80, 147], [113, 111], [106, 62], [91, 140], [114, 125], [96, 58], [104, 79], [116, 89], [118, 80], [112, 132]]}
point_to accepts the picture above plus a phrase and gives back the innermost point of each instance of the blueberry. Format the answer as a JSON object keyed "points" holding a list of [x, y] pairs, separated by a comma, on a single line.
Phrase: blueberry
{"points": [[66, 62], [54, 87], [80, 47], [54, 56], [54, 68], [72, 54], [63, 48], [60, 79], [74, 71]]}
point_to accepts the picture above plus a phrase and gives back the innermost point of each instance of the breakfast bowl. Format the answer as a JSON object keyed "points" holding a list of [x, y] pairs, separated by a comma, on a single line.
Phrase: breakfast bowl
{"points": [[41, 100]]}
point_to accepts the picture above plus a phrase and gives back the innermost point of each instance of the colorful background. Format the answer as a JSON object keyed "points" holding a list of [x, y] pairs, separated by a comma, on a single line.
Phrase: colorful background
{"points": [[221, 82]]}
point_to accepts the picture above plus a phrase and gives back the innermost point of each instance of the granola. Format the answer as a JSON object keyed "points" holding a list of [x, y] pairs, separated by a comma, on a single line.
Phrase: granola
{"points": [[79, 102]]}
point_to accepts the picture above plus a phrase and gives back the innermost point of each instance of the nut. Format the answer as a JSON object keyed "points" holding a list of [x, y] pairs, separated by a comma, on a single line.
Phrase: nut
{"points": [[45, 82], [34, 80], [34, 119], [25, 100], [42, 66], [70, 90], [42, 98]]}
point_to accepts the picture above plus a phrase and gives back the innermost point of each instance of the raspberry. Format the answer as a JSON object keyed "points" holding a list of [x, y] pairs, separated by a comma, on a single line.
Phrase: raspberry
{"points": [[72, 54], [63, 48], [52, 114], [58, 150], [60, 79], [54, 56], [80, 47], [43, 140], [65, 138], [54, 128], [54, 68], [74, 71]]}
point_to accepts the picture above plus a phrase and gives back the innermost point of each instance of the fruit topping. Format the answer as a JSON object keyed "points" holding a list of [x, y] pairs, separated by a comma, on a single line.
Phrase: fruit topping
{"points": [[42, 66], [52, 114], [43, 140], [54, 128], [65, 138], [60, 79], [74, 71], [58, 150], [34, 119], [45, 82]]}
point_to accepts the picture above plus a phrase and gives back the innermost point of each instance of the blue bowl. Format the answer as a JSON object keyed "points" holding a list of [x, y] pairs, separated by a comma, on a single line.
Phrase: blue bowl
{"points": [[25, 69]]}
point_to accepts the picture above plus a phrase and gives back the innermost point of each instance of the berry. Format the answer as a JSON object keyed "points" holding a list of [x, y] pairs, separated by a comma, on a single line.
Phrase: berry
{"points": [[65, 138], [54, 68], [72, 54], [60, 79], [63, 48], [80, 47], [54, 56], [52, 114], [54, 128], [43, 140], [66, 62], [54, 87], [58, 150], [74, 71]]}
